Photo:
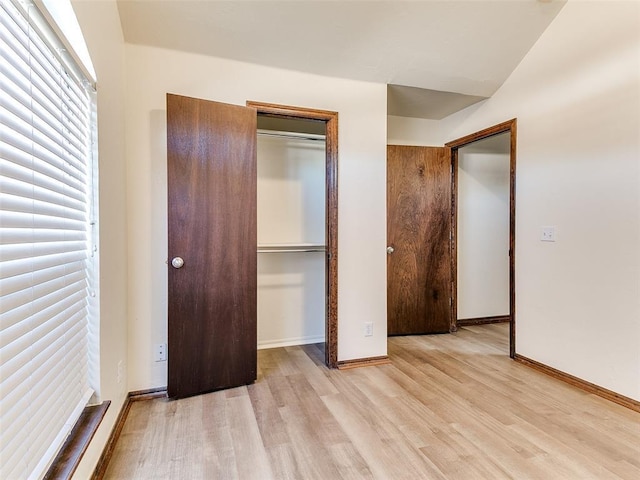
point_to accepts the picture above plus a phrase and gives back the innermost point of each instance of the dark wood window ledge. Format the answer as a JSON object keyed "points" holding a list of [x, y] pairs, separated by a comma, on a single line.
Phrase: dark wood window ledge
{"points": [[68, 459]]}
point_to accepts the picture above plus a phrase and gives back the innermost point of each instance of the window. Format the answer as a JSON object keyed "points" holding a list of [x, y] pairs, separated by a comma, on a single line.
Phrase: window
{"points": [[46, 242]]}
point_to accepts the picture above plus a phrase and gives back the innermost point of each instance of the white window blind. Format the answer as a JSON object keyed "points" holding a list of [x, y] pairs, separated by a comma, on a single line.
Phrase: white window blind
{"points": [[45, 152]]}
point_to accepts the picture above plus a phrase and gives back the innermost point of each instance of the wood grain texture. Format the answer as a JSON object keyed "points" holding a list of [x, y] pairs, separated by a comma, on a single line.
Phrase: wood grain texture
{"points": [[105, 457], [212, 221], [447, 407], [418, 229], [331, 147], [66, 462], [454, 240], [510, 126], [363, 362], [483, 320], [109, 448]]}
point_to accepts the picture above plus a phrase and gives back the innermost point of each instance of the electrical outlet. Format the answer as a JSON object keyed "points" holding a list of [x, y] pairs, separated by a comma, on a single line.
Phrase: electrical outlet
{"points": [[161, 352], [548, 234], [368, 329]]}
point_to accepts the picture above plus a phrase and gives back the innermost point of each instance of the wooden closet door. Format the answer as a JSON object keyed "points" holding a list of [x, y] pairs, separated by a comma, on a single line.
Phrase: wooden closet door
{"points": [[211, 169], [418, 236]]}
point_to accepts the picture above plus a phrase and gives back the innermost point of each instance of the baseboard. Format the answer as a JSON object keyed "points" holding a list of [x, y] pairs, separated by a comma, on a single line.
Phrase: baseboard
{"points": [[463, 322], [107, 452], [627, 402], [363, 362], [149, 394]]}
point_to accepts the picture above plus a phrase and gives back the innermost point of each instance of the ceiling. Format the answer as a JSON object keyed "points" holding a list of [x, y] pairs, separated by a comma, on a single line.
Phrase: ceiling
{"points": [[451, 53]]}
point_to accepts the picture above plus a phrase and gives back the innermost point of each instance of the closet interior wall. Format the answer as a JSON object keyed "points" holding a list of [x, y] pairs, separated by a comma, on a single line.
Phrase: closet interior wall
{"points": [[291, 232]]}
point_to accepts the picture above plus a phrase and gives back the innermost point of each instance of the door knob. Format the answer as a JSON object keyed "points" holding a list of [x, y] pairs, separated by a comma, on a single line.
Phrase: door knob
{"points": [[177, 262], [390, 250]]}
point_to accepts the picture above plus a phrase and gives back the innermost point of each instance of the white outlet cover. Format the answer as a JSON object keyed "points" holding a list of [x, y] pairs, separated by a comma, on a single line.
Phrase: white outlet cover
{"points": [[368, 329], [160, 352], [548, 234]]}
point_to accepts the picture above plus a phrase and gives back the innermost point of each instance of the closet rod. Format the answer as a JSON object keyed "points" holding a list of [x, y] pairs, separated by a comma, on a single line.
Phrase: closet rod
{"points": [[292, 135], [291, 250], [293, 247]]}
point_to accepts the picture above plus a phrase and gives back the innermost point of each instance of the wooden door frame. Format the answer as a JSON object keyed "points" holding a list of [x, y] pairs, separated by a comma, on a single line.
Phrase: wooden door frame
{"points": [[511, 127], [331, 149]]}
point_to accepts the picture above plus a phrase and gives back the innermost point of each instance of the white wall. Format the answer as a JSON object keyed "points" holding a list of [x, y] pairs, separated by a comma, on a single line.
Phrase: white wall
{"points": [[151, 73], [291, 299], [483, 233], [291, 210], [291, 190], [100, 25], [577, 99], [414, 131]]}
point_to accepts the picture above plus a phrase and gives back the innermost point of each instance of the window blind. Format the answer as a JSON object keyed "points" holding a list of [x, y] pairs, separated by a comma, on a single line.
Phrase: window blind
{"points": [[45, 151]]}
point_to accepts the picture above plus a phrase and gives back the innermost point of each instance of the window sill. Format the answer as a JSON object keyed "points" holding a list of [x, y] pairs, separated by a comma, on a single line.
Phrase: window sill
{"points": [[67, 460]]}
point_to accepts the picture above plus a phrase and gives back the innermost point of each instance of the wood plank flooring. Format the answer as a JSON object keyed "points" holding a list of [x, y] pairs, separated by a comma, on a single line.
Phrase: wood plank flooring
{"points": [[447, 407]]}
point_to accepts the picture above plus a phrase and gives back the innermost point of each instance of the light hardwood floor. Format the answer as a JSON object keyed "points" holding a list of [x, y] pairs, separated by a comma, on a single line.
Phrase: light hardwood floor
{"points": [[447, 407]]}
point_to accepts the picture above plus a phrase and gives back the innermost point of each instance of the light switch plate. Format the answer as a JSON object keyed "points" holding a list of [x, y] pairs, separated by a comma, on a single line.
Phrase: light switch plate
{"points": [[548, 234], [368, 329]]}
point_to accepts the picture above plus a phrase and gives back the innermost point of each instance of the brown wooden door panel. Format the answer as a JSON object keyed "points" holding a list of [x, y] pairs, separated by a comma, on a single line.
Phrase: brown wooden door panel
{"points": [[211, 173], [418, 230]]}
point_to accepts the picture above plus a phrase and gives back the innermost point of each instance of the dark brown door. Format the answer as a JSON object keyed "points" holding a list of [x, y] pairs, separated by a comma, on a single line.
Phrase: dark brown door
{"points": [[418, 236], [211, 173]]}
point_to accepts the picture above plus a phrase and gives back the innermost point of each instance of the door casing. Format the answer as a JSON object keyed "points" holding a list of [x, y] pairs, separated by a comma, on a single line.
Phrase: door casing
{"points": [[331, 121], [511, 127]]}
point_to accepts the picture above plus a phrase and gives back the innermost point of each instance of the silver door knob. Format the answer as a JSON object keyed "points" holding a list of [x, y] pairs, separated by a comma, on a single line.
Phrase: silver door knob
{"points": [[390, 250], [177, 262]]}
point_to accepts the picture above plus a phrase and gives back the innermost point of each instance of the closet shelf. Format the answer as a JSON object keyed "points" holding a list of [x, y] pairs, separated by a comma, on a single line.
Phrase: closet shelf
{"points": [[291, 247]]}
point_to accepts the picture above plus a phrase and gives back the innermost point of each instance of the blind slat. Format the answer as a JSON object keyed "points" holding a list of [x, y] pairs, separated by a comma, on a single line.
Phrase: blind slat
{"points": [[28, 251], [20, 98], [20, 204], [45, 129], [25, 235], [39, 296], [44, 161], [52, 338], [17, 220], [13, 285], [20, 165], [40, 95], [10, 186]]}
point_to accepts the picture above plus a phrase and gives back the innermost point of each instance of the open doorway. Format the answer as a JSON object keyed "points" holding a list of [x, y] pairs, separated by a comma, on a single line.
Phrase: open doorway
{"points": [[301, 149], [483, 228], [483, 231]]}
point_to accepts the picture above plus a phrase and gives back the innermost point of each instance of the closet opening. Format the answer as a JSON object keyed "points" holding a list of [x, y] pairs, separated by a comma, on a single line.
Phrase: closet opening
{"points": [[297, 228]]}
